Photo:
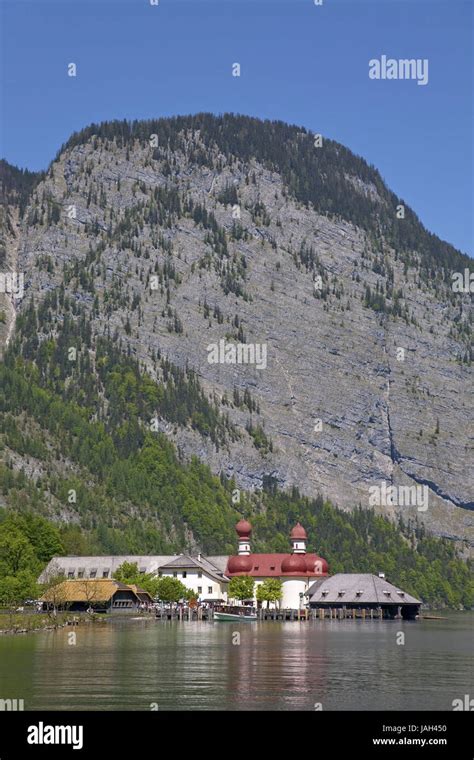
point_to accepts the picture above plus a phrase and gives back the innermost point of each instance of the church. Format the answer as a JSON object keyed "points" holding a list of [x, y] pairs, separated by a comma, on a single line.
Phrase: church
{"points": [[208, 577], [297, 571]]}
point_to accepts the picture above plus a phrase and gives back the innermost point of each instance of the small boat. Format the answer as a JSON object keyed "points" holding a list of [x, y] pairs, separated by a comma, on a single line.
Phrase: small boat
{"points": [[236, 614]]}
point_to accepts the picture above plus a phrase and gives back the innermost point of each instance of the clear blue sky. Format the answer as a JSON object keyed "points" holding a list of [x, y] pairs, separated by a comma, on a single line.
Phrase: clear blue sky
{"points": [[300, 63]]}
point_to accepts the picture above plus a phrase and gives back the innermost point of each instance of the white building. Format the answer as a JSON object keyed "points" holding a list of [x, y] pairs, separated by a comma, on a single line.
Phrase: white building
{"points": [[199, 574], [203, 575], [209, 577], [297, 571]]}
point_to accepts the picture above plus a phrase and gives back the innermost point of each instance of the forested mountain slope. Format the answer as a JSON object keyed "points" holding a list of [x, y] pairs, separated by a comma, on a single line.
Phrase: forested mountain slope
{"points": [[145, 243]]}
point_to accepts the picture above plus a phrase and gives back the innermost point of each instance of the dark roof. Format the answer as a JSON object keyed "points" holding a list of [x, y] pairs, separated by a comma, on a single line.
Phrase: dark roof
{"points": [[218, 560], [357, 588], [185, 561], [141, 593]]}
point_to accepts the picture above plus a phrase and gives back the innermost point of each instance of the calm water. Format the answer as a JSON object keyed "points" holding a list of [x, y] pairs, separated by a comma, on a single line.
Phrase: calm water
{"points": [[346, 665]]}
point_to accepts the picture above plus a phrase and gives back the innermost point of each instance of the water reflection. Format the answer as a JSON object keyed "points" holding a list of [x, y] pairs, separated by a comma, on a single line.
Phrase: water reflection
{"points": [[344, 665]]}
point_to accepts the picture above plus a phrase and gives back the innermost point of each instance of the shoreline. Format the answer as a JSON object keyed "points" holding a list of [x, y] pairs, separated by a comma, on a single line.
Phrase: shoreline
{"points": [[23, 622]]}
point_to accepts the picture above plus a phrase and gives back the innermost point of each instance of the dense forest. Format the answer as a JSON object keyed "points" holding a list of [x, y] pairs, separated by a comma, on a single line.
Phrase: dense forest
{"points": [[16, 185]]}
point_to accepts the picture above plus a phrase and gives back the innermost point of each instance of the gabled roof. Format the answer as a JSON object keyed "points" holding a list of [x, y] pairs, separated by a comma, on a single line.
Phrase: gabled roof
{"points": [[352, 588], [143, 595], [185, 561], [215, 569], [218, 560], [182, 560]]}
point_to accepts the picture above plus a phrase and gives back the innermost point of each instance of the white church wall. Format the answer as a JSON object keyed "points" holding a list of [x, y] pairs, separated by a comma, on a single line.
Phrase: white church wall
{"points": [[292, 588]]}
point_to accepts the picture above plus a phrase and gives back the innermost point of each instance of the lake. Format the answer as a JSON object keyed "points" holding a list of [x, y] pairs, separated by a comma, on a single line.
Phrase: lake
{"points": [[130, 664]]}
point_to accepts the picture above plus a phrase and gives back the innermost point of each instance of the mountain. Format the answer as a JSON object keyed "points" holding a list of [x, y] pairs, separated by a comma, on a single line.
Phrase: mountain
{"points": [[146, 244]]}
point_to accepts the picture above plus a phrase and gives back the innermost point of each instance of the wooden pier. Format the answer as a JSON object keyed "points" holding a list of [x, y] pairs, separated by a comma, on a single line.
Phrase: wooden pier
{"points": [[301, 616], [324, 613], [186, 614]]}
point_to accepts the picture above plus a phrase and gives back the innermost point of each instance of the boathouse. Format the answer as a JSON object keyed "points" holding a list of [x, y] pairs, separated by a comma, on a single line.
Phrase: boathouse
{"points": [[304, 576], [105, 595], [202, 575], [364, 592]]}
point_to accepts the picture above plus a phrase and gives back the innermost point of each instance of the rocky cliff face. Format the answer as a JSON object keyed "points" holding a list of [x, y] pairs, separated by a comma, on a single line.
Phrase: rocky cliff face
{"points": [[177, 244]]}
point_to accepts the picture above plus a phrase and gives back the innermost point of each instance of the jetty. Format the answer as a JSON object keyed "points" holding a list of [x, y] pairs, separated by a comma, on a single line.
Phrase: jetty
{"points": [[286, 615]]}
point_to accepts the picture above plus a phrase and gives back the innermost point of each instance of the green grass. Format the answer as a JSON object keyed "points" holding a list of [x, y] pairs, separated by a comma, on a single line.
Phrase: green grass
{"points": [[12, 622]]}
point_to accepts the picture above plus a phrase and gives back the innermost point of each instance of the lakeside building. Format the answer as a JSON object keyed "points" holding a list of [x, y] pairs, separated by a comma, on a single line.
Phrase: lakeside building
{"points": [[296, 571], [362, 591], [203, 575], [304, 576], [209, 577], [105, 595]]}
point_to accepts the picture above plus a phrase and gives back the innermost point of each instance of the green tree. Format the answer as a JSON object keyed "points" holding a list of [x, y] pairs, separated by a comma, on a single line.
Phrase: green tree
{"points": [[15, 589], [128, 572], [171, 590], [241, 587], [270, 590], [16, 552], [52, 585], [43, 536]]}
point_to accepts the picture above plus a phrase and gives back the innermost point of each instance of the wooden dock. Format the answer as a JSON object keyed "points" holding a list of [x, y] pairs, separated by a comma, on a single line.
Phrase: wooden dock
{"points": [[301, 616], [186, 614], [322, 613]]}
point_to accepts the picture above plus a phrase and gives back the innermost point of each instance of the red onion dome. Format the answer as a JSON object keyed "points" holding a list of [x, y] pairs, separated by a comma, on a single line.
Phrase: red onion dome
{"points": [[243, 528], [294, 563], [298, 532], [316, 565], [240, 563]]}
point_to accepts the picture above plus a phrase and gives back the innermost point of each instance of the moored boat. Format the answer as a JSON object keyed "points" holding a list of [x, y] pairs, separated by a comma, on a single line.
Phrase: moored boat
{"points": [[237, 614]]}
